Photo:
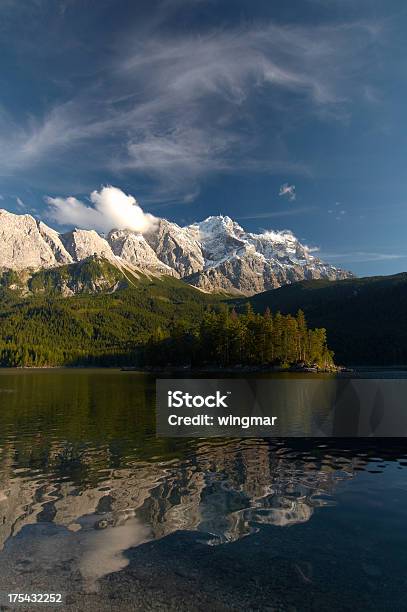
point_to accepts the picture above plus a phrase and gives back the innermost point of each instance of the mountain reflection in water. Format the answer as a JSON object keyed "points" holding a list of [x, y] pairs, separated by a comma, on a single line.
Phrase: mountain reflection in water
{"points": [[83, 478], [225, 489]]}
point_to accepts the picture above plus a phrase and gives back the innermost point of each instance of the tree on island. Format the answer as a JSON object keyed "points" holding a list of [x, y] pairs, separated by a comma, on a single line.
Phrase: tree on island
{"points": [[223, 338]]}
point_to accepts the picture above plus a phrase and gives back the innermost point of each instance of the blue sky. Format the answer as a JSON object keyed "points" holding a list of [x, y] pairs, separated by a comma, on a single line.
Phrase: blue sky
{"points": [[282, 115]]}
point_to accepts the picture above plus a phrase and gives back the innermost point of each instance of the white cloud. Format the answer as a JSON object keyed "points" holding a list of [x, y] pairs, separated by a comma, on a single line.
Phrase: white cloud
{"points": [[112, 209], [20, 203], [288, 191]]}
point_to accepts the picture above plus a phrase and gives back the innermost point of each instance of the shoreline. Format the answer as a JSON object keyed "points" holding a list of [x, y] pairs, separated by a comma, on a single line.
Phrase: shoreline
{"points": [[213, 370], [234, 370], [181, 369]]}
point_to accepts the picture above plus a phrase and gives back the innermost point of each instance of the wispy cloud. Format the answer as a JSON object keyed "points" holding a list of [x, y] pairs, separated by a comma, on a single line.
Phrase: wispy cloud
{"points": [[287, 191], [175, 108], [360, 256], [20, 203], [291, 212], [110, 209]]}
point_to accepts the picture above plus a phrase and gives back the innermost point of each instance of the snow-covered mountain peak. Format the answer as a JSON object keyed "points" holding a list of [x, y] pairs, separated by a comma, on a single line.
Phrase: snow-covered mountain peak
{"points": [[214, 254], [214, 226], [283, 236]]}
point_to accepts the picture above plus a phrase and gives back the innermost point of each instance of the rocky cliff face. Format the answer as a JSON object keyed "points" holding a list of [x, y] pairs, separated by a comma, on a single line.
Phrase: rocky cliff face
{"points": [[81, 244], [135, 250], [214, 255], [53, 239], [242, 262], [177, 247], [22, 243]]}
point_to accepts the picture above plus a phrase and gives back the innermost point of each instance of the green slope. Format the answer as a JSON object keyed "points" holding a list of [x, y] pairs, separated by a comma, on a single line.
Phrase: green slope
{"points": [[113, 313], [44, 328], [365, 318], [91, 275]]}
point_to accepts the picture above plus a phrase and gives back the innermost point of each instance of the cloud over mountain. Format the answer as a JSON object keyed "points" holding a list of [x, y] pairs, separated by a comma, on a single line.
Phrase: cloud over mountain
{"points": [[111, 208]]}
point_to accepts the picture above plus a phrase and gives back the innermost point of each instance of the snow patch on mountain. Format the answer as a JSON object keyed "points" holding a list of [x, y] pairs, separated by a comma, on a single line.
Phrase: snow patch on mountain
{"points": [[243, 262]]}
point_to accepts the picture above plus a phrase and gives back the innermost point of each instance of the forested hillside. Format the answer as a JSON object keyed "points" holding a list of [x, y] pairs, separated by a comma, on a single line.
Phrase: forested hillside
{"points": [[365, 318], [93, 329], [95, 313], [116, 318]]}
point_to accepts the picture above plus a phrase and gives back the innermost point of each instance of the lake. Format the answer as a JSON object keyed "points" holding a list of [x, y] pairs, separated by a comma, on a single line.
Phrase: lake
{"points": [[93, 505]]}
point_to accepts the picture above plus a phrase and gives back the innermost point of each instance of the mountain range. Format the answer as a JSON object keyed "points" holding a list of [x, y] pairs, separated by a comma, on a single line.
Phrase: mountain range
{"points": [[127, 286], [214, 255]]}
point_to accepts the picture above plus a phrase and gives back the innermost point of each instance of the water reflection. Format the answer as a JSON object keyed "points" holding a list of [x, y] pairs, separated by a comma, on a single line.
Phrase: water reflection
{"points": [[227, 490], [223, 489], [83, 479]]}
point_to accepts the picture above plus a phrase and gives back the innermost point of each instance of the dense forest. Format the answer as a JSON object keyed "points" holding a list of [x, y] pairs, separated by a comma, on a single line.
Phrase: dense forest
{"points": [[224, 338], [365, 318], [93, 329], [157, 322], [116, 319]]}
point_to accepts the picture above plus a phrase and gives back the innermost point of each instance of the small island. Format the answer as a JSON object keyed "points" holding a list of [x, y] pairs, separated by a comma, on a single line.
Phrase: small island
{"points": [[224, 339]]}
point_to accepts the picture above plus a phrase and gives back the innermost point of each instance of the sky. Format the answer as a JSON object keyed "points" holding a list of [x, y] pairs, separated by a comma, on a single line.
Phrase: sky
{"points": [[282, 115]]}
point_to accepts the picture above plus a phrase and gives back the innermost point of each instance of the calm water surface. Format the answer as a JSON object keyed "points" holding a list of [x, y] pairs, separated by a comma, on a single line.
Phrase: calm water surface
{"points": [[94, 505]]}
